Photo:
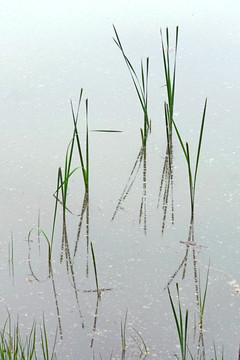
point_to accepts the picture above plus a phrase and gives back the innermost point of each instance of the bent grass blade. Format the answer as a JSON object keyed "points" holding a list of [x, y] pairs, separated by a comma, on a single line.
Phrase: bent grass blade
{"points": [[141, 86]]}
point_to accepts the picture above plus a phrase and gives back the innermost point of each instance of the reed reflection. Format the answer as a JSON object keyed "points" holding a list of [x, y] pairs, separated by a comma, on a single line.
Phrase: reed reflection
{"points": [[141, 162], [200, 295]]}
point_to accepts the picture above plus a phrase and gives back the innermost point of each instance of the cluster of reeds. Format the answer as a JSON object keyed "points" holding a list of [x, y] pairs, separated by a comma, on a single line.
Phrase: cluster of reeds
{"points": [[181, 324], [139, 341], [14, 347], [64, 175], [141, 87], [166, 185]]}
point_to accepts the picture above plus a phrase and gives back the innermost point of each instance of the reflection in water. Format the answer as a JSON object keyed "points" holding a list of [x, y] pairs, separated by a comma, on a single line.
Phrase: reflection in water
{"points": [[84, 211], [11, 258], [50, 275], [57, 305], [95, 322], [140, 161], [166, 186], [191, 245]]}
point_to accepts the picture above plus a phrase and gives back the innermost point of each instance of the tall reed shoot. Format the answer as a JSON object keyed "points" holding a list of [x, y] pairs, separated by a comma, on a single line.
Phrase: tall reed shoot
{"points": [[181, 324], [169, 78], [166, 185], [95, 271], [141, 85], [84, 164], [192, 175], [123, 335]]}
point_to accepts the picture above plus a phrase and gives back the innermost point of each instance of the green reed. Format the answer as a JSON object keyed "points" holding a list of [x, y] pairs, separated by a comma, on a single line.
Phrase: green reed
{"points": [[170, 77], [14, 347], [47, 355], [192, 175], [140, 84], [202, 299], [181, 324], [169, 66], [49, 243], [222, 356], [64, 175], [95, 270], [84, 163], [123, 335]]}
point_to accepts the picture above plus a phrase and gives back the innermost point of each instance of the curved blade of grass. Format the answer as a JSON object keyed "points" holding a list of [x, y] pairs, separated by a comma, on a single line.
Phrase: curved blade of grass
{"points": [[141, 88]]}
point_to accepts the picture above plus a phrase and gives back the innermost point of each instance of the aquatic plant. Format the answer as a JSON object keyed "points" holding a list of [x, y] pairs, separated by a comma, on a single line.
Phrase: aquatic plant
{"points": [[166, 184], [49, 244], [95, 270], [181, 324], [169, 78], [222, 356], [13, 347], [83, 164], [47, 355], [141, 86], [192, 176]]}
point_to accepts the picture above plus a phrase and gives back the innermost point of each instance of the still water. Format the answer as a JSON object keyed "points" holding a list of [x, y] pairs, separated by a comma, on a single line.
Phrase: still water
{"points": [[49, 51]]}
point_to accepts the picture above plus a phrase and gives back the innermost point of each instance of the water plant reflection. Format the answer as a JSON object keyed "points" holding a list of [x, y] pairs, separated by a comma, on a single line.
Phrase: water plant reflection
{"points": [[140, 161]]}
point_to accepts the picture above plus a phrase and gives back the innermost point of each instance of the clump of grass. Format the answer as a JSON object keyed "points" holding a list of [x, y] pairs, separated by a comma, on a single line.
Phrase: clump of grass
{"points": [[170, 78], [181, 324], [141, 86], [166, 184], [13, 347]]}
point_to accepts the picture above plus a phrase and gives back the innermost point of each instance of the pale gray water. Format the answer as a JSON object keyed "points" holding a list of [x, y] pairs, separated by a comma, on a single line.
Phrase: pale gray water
{"points": [[48, 52]]}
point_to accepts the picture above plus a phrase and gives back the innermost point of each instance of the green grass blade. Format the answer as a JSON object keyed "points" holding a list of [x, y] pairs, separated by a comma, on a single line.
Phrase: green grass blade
{"points": [[191, 188], [180, 140], [95, 269], [174, 70], [141, 89], [202, 304], [174, 314], [200, 142]]}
